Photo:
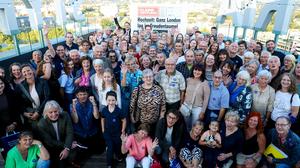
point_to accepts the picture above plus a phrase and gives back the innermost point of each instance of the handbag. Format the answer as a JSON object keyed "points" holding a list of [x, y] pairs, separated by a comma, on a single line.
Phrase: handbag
{"points": [[185, 108], [9, 141]]}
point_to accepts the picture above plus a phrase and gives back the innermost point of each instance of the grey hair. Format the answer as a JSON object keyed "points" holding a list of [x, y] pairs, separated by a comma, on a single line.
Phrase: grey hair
{"points": [[98, 62], [249, 54], [73, 51], [264, 73], [97, 46], [147, 72], [51, 104], [272, 58], [232, 114], [244, 75], [37, 52], [266, 52], [254, 61]]}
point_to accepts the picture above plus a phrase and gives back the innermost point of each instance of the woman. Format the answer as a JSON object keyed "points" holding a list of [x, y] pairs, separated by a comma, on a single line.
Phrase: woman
{"points": [[177, 53], [16, 76], [210, 67], [145, 62], [56, 131], [286, 99], [263, 96], [148, 102], [179, 38], [241, 95], [213, 49], [232, 140], [289, 64], [252, 68], [83, 75], [196, 95], [34, 93], [191, 154], [27, 153], [116, 65], [85, 48], [193, 44], [138, 146], [199, 56], [254, 143], [66, 81], [109, 84], [9, 112], [222, 57], [228, 73], [97, 78]]}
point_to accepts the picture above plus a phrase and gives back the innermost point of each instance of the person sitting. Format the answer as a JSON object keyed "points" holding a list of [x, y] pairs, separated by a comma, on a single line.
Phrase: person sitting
{"points": [[168, 131], [138, 145], [27, 153]]}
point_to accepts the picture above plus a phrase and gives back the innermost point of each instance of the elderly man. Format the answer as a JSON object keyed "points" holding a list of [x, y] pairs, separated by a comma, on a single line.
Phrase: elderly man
{"points": [[233, 51], [263, 60], [287, 141], [186, 67], [98, 54], [218, 99], [173, 83], [75, 57], [274, 65], [203, 46]]}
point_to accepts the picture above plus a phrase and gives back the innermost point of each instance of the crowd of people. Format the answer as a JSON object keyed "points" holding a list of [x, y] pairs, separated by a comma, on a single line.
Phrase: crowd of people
{"points": [[153, 99]]}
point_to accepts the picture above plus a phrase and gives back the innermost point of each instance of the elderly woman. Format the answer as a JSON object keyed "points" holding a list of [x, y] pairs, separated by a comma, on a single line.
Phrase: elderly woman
{"points": [[56, 131], [289, 64], [252, 67], [36, 58], [241, 95], [148, 102], [27, 153], [232, 140], [191, 154], [287, 100], [34, 93], [255, 142], [263, 95], [83, 75], [97, 78], [138, 146], [196, 96]]}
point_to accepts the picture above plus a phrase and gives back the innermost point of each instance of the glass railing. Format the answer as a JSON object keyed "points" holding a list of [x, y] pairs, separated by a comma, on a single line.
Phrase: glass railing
{"points": [[27, 40]]}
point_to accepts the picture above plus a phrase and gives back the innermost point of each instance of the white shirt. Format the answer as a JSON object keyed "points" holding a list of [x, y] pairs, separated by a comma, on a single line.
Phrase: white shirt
{"points": [[34, 95], [169, 135]]}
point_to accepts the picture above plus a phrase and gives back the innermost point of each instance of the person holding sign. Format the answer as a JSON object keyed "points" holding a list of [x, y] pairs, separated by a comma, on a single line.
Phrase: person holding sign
{"points": [[286, 143]]}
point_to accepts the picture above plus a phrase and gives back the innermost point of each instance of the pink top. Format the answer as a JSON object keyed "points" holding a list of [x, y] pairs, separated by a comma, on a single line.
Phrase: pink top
{"points": [[84, 80], [138, 149]]}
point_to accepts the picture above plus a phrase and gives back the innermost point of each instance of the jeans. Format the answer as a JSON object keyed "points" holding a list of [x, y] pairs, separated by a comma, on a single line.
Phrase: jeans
{"points": [[131, 162], [43, 163], [282, 165]]}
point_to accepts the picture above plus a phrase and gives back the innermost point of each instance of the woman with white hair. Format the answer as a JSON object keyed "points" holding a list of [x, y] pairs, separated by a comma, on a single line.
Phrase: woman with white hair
{"points": [[252, 68], [289, 64], [241, 95], [97, 78], [263, 95], [56, 131]]}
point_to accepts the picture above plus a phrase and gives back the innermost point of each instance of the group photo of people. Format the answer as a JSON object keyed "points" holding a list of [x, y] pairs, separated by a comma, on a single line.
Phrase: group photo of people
{"points": [[153, 99]]}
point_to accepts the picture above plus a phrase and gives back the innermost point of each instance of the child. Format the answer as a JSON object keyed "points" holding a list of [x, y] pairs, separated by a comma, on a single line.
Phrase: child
{"points": [[111, 116], [211, 140]]}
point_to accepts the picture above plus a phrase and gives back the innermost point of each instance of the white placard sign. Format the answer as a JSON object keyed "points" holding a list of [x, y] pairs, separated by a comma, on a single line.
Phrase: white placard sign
{"points": [[160, 17]]}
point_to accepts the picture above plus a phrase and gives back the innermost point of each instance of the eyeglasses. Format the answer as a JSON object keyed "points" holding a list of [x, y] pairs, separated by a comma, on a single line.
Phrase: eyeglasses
{"points": [[172, 118], [281, 125]]}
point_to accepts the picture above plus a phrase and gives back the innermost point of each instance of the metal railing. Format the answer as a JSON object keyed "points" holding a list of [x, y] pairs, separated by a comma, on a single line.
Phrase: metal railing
{"points": [[28, 40]]}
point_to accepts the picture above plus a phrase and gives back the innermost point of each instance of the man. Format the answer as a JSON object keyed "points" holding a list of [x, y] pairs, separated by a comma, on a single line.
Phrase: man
{"points": [[203, 45], [185, 68], [152, 53], [154, 37], [213, 31], [227, 44], [98, 54], [75, 57], [161, 47], [169, 132], [233, 50], [36, 59], [69, 43], [287, 141], [263, 60], [270, 44], [173, 83], [274, 66], [220, 40], [218, 99], [242, 48], [104, 46], [252, 46]]}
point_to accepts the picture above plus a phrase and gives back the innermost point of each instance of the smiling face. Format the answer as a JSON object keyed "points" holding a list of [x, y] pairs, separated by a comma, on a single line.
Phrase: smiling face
{"points": [[86, 65], [107, 77], [297, 70], [25, 141], [111, 100], [282, 126], [197, 129], [27, 72], [53, 114], [214, 126], [197, 73], [285, 82], [16, 71], [226, 69], [253, 122], [210, 60], [171, 119]]}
